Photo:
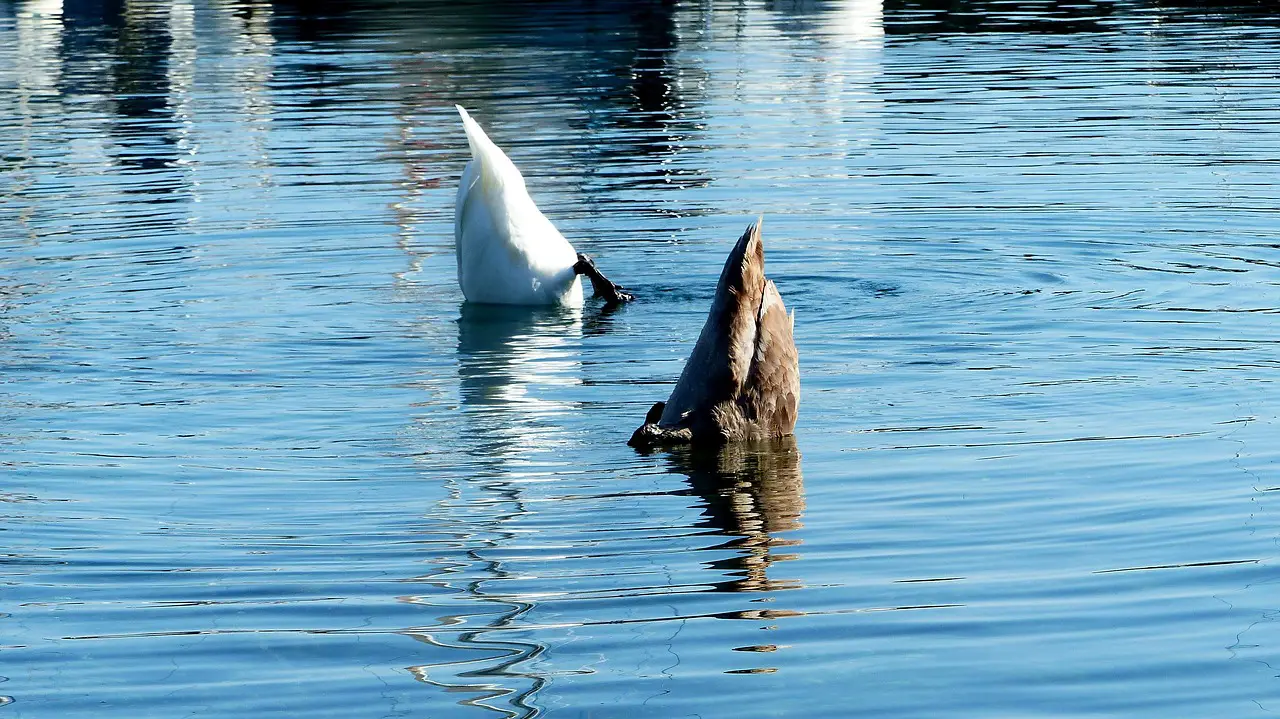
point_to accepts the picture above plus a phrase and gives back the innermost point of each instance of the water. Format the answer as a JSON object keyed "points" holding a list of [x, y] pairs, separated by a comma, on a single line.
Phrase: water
{"points": [[260, 460]]}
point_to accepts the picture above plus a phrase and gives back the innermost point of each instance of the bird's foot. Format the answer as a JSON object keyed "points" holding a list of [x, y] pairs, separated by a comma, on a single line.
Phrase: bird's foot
{"points": [[651, 435], [612, 293]]}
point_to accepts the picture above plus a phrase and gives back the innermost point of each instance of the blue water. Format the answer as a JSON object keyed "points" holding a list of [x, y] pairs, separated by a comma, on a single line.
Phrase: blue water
{"points": [[259, 459]]}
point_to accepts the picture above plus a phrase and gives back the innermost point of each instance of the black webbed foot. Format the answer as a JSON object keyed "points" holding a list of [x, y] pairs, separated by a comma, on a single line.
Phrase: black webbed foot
{"points": [[612, 293], [651, 435]]}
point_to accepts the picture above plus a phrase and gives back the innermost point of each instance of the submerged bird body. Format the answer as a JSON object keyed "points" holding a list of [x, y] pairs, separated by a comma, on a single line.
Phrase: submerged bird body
{"points": [[742, 380], [508, 251]]}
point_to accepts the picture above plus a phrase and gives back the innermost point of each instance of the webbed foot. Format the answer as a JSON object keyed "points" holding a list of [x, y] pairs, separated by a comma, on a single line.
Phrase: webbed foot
{"points": [[601, 286]]}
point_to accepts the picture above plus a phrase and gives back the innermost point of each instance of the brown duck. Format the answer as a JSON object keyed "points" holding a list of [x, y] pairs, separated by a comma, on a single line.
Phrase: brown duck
{"points": [[742, 381]]}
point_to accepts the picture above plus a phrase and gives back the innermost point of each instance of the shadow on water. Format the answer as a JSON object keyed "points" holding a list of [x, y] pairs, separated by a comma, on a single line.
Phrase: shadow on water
{"points": [[916, 17], [650, 102], [139, 36], [753, 491], [122, 57], [614, 61], [925, 17], [533, 22]]}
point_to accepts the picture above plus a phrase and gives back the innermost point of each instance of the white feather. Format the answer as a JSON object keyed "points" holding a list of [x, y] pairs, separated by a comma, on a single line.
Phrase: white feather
{"points": [[508, 251]]}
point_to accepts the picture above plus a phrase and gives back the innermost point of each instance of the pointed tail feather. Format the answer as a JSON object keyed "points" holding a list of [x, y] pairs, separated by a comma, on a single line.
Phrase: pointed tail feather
{"points": [[495, 166]]}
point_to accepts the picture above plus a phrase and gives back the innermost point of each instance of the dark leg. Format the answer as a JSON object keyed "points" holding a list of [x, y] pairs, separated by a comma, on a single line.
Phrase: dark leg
{"points": [[611, 293]]}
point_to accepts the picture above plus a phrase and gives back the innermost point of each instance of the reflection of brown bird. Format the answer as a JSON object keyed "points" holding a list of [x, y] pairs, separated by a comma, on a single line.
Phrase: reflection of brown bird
{"points": [[753, 490], [743, 379]]}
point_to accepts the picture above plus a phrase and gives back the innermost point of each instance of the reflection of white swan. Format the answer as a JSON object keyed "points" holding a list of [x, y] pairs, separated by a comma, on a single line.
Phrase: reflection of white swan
{"points": [[509, 253], [512, 362]]}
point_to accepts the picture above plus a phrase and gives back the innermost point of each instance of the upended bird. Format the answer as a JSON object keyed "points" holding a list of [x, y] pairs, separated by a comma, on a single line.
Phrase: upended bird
{"points": [[742, 381], [508, 251]]}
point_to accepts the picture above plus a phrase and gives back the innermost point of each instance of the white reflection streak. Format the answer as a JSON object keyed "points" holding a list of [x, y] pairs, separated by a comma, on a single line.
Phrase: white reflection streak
{"points": [[181, 73], [855, 28], [827, 62], [858, 21], [39, 64], [249, 26]]}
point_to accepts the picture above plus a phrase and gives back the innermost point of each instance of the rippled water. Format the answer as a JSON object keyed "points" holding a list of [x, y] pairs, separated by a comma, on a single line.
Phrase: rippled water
{"points": [[260, 460]]}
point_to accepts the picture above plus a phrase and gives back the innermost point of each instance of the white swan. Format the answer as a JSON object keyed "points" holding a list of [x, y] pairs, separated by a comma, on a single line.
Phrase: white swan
{"points": [[508, 251]]}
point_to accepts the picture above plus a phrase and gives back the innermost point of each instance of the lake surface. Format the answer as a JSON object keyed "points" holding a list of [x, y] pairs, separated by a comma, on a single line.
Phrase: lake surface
{"points": [[259, 459]]}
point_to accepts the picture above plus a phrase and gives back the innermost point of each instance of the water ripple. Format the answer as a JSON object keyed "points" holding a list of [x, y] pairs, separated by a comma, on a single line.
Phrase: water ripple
{"points": [[253, 437]]}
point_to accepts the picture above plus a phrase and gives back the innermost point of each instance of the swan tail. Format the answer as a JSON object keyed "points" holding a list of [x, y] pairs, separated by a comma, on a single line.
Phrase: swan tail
{"points": [[495, 168], [771, 394]]}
